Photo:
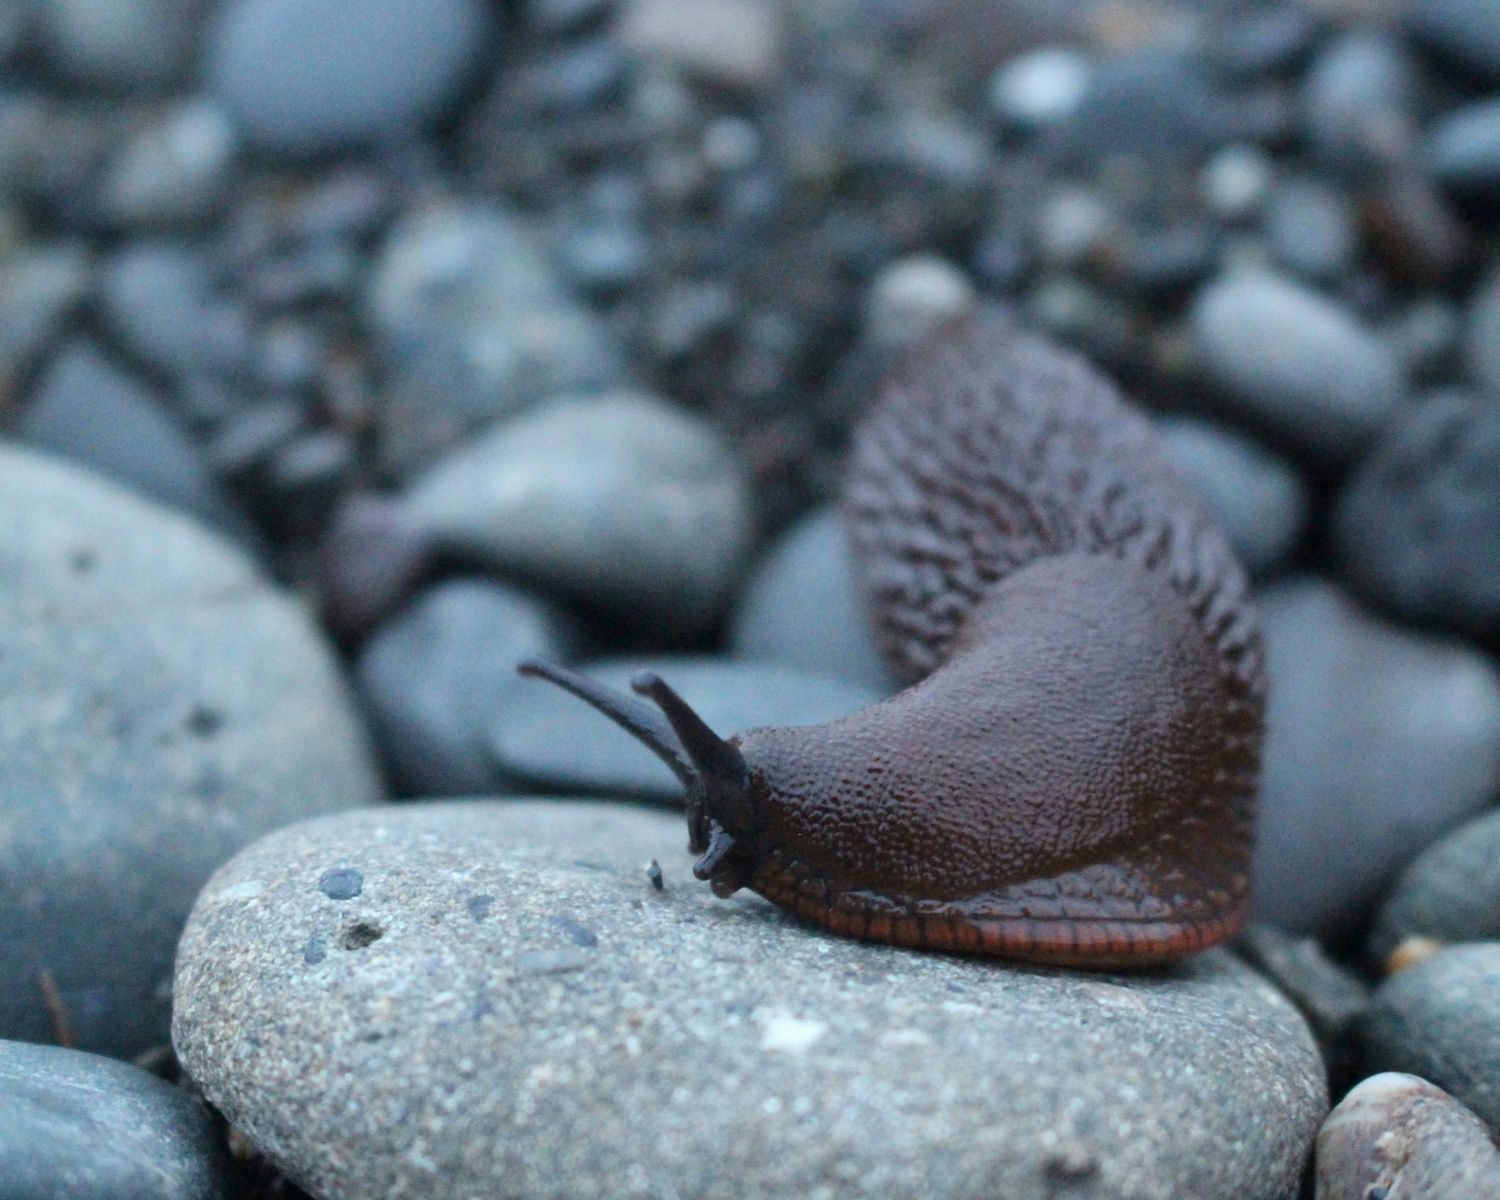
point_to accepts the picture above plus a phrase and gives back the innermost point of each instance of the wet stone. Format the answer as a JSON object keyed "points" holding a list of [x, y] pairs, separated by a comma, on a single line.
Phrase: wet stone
{"points": [[543, 737], [161, 704], [432, 1052], [79, 1126], [1438, 1019], [1378, 740]]}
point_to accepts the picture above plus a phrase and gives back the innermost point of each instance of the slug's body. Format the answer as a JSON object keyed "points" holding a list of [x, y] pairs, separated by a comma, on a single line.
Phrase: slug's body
{"points": [[1071, 776]]}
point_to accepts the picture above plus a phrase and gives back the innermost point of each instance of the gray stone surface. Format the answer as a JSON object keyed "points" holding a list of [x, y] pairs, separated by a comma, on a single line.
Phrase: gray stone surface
{"points": [[1482, 340], [1450, 894], [1467, 31], [1417, 524], [546, 738], [75, 1126], [1295, 361], [307, 77], [473, 323], [1259, 499], [1439, 1019], [433, 676], [155, 296], [802, 607], [174, 170], [508, 1007], [90, 410], [40, 285], [622, 501], [160, 706], [106, 44], [1397, 1136], [1378, 741], [1359, 99], [1464, 150]]}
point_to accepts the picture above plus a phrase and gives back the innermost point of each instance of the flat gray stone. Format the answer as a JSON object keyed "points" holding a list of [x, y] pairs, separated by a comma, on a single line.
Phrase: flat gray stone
{"points": [[622, 502], [79, 1127], [1449, 894], [545, 738], [161, 704], [1378, 741], [509, 1008], [308, 77], [802, 607], [1296, 362], [1439, 1019]]}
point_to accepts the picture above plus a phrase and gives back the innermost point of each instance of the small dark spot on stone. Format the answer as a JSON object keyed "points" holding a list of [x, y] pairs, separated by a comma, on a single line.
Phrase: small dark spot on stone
{"points": [[653, 873], [373, 1036], [359, 935], [483, 1007], [341, 883], [1071, 1162], [579, 935], [203, 721], [1377, 1193], [315, 951], [479, 906], [211, 783], [83, 560]]}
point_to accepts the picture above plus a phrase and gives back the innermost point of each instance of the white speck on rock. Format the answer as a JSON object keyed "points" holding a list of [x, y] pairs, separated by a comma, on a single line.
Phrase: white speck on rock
{"points": [[248, 889], [791, 1034]]}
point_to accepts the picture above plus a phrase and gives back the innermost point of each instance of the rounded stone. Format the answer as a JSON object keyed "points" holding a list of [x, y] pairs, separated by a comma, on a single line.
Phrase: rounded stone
{"points": [[1451, 893], [621, 501], [802, 607], [1417, 525], [1296, 362], [1259, 499], [1468, 31], [174, 171], [1483, 336], [510, 1006], [1359, 99], [1464, 150], [308, 77], [1378, 741], [1398, 1136], [81, 1127], [161, 705], [545, 738], [1438, 1019], [432, 676], [40, 286], [99, 43], [473, 323], [154, 295]]}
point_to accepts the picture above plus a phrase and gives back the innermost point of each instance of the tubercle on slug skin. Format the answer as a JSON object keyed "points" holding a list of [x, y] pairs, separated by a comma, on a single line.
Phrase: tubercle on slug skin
{"points": [[1071, 777]]}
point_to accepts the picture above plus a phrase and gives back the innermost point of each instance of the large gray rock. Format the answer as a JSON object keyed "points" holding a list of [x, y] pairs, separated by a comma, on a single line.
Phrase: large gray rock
{"points": [[623, 502], [76, 1126], [1449, 894], [160, 706], [506, 1006], [1378, 740], [1296, 362], [307, 77]]}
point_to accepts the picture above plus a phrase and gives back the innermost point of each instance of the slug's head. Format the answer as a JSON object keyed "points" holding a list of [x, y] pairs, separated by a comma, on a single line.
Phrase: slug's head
{"points": [[723, 809]]}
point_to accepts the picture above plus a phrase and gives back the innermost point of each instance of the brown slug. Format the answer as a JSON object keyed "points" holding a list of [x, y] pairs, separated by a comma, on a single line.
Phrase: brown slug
{"points": [[1071, 775]]}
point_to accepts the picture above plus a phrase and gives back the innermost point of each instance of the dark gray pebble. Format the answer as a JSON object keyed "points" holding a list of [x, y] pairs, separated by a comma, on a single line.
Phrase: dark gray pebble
{"points": [[1378, 741], [1467, 31], [1450, 894], [544, 737], [802, 607], [1439, 1019], [434, 676], [88, 409], [1418, 523], [75, 1126], [308, 77]]}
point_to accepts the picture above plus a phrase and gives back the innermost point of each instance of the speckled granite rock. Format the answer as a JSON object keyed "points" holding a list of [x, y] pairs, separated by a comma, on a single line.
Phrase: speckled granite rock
{"points": [[505, 1005], [75, 1126], [161, 704]]}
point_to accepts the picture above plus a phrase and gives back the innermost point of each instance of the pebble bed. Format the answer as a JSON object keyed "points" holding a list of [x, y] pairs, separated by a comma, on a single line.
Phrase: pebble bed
{"points": [[351, 353]]}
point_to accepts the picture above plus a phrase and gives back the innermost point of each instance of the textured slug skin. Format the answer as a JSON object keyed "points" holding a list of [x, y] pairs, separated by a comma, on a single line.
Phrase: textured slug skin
{"points": [[1072, 776]]}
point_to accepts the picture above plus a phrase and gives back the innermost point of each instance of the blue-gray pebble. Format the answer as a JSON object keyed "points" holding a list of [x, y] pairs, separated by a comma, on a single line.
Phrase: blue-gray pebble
{"points": [[1259, 499], [161, 704], [802, 607], [1450, 894], [74, 1126], [433, 675], [309, 77], [546, 738], [1378, 741]]}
